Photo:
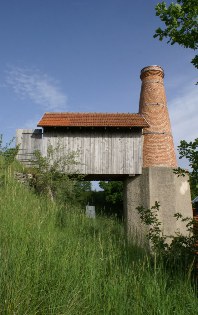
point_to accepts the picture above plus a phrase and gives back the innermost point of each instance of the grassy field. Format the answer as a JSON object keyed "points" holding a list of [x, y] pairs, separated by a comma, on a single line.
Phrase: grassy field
{"points": [[56, 261]]}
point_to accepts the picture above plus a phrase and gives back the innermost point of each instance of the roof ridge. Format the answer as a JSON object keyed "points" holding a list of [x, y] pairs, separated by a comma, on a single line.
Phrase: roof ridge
{"points": [[93, 113]]}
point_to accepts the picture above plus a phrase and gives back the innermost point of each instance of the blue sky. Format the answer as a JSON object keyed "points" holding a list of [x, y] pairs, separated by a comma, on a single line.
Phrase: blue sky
{"points": [[86, 55]]}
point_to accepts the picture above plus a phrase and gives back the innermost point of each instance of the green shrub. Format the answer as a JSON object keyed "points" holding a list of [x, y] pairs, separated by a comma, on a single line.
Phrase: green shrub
{"points": [[175, 251]]}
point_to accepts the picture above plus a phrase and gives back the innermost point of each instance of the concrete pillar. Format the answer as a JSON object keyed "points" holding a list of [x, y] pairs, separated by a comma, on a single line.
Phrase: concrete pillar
{"points": [[157, 182], [162, 185]]}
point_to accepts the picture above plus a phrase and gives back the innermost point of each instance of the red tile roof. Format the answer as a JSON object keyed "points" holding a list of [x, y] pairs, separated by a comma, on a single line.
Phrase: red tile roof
{"points": [[92, 120]]}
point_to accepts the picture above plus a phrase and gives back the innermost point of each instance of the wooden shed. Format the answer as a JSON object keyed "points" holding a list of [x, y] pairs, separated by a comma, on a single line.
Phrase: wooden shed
{"points": [[106, 144]]}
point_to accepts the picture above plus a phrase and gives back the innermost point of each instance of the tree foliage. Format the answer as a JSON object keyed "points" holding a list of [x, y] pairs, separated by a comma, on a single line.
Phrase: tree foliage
{"points": [[7, 154], [51, 174], [113, 192], [189, 150], [83, 191], [7, 157], [55, 176], [173, 250], [181, 21]]}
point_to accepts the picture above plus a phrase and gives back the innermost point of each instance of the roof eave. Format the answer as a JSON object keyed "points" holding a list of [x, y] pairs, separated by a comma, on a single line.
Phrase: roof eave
{"points": [[90, 126]]}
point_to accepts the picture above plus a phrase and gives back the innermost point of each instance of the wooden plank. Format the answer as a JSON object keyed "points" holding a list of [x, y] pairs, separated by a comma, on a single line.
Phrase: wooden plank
{"points": [[28, 140], [99, 152]]}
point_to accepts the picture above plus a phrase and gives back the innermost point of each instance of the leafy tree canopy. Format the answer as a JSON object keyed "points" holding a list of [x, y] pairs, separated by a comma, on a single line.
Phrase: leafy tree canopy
{"points": [[113, 191], [82, 191], [181, 20], [189, 150]]}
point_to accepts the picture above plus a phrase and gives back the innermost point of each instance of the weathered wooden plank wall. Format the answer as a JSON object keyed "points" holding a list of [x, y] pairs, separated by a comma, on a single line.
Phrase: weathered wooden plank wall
{"points": [[28, 140], [116, 152], [100, 152]]}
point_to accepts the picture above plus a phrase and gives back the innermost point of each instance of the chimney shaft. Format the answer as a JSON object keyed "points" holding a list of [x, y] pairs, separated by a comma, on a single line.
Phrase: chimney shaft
{"points": [[158, 147]]}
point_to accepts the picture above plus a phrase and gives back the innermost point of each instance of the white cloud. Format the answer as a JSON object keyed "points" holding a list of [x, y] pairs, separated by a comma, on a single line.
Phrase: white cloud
{"points": [[38, 87], [183, 112]]}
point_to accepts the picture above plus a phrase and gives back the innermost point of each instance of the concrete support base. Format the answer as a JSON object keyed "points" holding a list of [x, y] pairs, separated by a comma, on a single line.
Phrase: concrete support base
{"points": [[162, 185]]}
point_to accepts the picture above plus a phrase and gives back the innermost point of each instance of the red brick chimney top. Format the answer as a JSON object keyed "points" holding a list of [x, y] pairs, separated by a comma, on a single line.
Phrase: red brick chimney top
{"points": [[151, 70]]}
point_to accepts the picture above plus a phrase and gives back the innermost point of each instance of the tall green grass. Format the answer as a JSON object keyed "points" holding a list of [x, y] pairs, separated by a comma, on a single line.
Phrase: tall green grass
{"points": [[56, 261]]}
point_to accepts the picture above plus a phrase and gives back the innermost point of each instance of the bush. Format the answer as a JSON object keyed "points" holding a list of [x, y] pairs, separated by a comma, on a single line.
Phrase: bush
{"points": [[176, 252]]}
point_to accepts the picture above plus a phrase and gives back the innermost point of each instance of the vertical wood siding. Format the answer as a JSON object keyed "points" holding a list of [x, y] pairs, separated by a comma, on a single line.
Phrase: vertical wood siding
{"points": [[97, 152], [28, 140], [100, 152]]}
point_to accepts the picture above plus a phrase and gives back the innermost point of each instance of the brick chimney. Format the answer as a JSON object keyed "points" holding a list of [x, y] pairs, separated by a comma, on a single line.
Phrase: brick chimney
{"points": [[158, 147]]}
